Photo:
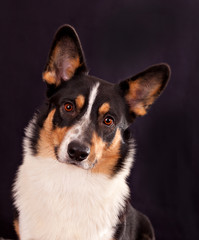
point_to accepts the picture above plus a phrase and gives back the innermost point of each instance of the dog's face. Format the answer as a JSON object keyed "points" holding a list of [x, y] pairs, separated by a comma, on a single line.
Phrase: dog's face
{"points": [[85, 120]]}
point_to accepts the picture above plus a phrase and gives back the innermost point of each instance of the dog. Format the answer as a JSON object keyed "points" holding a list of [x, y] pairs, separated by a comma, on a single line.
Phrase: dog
{"points": [[78, 151]]}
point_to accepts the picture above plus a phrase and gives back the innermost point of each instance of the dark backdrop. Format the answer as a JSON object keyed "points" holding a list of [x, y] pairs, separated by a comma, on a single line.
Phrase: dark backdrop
{"points": [[120, 38]]}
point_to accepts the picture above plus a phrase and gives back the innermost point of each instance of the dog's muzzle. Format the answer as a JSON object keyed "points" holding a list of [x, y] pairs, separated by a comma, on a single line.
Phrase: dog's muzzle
{"points": [[78, 151]]}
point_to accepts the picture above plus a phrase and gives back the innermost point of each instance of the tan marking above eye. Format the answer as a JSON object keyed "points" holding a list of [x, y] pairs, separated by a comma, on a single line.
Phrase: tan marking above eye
{"points": [[80, 100], [104, 108]]}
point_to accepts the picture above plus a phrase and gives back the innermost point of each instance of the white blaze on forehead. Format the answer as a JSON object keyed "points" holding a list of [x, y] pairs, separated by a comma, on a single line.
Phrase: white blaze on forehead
{"points": [[92, 98], [76, 132]]}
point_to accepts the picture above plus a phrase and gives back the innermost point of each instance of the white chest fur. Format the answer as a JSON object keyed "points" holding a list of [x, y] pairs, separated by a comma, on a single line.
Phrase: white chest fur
{"points": [[63, 202]]}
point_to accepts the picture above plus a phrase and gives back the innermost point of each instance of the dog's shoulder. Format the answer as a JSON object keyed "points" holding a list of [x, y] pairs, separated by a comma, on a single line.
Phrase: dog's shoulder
{"points": [[134, 225]]}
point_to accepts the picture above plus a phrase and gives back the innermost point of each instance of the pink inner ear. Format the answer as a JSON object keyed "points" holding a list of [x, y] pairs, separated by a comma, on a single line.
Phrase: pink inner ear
{"points": [[69, 67], [64, 70], [140, 93]]}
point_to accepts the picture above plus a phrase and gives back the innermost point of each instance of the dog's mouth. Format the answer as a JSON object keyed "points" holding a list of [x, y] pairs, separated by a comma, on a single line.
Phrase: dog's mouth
{"points": [[85, 164]]}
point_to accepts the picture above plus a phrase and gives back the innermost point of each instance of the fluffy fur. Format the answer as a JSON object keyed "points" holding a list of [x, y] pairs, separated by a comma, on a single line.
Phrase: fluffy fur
{"points": [[65, 202], [78, 152]]}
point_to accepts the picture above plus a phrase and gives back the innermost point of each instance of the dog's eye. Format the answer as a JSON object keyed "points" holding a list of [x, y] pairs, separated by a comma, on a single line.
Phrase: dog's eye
{"points": [[108, 121], [68, 107]]}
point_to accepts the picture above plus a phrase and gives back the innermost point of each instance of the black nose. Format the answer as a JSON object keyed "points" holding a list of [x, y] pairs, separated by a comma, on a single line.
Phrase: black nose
{"points": [[78, 151]]}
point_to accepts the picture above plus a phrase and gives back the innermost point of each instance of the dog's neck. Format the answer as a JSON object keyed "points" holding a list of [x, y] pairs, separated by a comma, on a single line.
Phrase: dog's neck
{"points": [[87, 204]]}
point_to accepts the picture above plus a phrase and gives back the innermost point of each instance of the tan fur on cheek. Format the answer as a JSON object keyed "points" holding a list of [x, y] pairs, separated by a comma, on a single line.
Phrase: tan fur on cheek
{"points": [[50, 138], [97, 148], [58, 135], [109, 155]]}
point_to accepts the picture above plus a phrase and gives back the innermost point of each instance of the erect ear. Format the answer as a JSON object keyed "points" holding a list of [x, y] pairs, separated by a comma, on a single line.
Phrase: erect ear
{"points": [[65, 57], [143, 89]]}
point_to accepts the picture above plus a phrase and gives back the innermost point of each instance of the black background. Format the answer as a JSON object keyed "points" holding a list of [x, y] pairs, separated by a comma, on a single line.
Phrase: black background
{"points": [[120, 38]]}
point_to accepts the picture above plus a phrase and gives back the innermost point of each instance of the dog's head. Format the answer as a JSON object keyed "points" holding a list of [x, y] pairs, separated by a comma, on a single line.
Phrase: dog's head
{"points": [[85, 120]]}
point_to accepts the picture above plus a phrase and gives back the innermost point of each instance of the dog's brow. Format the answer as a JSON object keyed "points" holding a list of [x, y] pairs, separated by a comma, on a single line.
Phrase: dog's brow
{"points": [[92, 97], [80, 100], [104, 108]]}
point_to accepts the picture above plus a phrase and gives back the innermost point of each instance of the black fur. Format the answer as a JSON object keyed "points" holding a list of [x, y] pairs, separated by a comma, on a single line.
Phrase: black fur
{"points": [[124, 108], [37, 124], [133, 225]]}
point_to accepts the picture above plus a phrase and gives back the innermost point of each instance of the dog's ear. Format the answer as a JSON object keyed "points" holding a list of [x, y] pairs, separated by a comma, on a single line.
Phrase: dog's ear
{"points": [[143, 89], [66, 57]]}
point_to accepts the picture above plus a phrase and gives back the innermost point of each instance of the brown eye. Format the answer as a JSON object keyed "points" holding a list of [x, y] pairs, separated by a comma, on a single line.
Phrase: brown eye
{"points": [[108, 121], [68, 107]]}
